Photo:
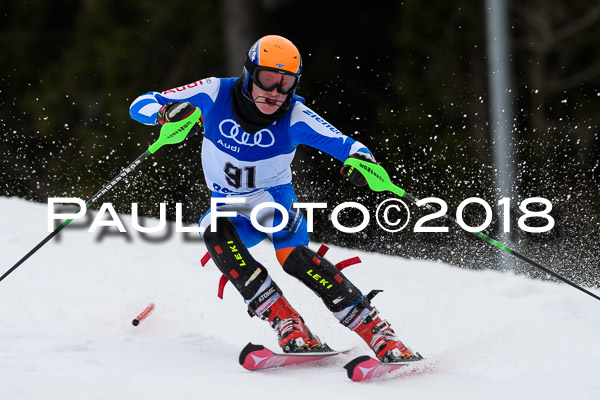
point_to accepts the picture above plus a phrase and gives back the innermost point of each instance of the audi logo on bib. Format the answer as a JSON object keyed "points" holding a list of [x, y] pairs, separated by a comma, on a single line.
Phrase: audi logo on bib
{"points": [[232, 130]]}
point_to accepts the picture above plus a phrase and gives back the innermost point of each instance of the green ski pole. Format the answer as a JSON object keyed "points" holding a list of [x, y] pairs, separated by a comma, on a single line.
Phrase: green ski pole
{"points": [[379, 181], [171, 133]]}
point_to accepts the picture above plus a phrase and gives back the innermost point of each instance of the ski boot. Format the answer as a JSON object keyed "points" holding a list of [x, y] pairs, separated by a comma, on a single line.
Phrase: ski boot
{"points": [[293, 334], [377, 333]]}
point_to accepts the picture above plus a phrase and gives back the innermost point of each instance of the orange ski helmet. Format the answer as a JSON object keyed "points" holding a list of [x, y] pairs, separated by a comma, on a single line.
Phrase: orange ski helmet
{"points": [[275, 54]]}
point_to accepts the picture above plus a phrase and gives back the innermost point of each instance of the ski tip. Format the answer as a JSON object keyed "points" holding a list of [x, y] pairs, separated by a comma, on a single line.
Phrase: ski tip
{"points": [[354, 363], [366, 367], [249, 349]]}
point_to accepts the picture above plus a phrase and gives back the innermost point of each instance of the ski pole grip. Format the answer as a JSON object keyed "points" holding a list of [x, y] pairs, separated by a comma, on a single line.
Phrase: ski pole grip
{"points": [[175, 132], [376, 176]]}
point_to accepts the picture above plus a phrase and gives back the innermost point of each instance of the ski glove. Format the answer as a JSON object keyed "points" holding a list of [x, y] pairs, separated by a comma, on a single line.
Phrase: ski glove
{"points": [[352, 174], [172, 112]]}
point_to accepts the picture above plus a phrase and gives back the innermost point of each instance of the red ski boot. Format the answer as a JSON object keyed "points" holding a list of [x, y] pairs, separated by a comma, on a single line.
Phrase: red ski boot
{"points": [[365, 321], [294, 336]]}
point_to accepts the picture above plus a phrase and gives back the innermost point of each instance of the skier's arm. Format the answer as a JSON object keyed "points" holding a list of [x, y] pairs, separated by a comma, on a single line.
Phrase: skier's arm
{"points": [[307, 127], [201, 94]]}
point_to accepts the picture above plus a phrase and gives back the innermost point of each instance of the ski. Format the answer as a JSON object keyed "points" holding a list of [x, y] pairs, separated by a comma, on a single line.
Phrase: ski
{"points": [[256, 357], [365, 367]]}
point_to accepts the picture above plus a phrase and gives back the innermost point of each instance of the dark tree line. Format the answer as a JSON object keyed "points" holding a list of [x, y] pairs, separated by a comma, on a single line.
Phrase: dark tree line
{"points": [[408, 79]]}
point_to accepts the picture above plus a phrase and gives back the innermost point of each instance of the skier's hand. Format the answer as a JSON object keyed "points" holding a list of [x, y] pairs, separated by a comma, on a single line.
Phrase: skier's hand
{"points": [[172, 112], [353, 175]]}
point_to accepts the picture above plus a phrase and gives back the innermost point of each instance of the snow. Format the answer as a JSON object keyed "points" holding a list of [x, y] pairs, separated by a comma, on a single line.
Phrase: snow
{"points": [[66, 332]]}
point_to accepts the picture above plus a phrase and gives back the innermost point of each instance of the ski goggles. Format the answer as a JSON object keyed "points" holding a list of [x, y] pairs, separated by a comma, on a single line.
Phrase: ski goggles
{"points": [[269, 79]]}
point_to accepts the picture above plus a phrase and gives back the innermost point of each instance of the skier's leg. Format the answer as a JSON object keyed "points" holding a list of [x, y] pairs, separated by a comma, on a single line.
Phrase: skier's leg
{"points": [[347, 303], [227, 247], [323, 278], [293, 334], [340, 296], [233, 259]]}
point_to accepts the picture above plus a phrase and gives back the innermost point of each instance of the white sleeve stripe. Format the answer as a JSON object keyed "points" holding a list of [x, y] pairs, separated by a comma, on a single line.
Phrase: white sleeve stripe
{"points": [[356, 146], [149, 109], [147, 96], [301, 113]]}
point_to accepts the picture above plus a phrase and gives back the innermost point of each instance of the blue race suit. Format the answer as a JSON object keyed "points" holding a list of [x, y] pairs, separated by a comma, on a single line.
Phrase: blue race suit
{"points": [[253, 165]]}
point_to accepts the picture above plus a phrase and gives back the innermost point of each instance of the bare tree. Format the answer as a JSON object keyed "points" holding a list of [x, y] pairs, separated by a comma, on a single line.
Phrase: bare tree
{"points": [[238, 32], [551, 36]]}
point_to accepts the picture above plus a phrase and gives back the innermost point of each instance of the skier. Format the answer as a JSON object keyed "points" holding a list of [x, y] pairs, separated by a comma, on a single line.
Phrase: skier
{"points": [[252, 126]]}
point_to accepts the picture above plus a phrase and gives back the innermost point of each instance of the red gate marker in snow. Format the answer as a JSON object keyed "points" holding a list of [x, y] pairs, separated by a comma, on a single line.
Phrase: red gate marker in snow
{"points": [[143, 315]]}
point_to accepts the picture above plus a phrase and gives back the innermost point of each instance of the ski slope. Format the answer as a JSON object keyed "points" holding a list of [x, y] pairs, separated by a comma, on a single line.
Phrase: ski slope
{"points": [[66, 332]]}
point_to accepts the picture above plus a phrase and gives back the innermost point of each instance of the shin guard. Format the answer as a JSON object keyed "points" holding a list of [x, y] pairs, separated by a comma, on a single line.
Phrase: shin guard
{"points": [[322, 277], [233, 258]]}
